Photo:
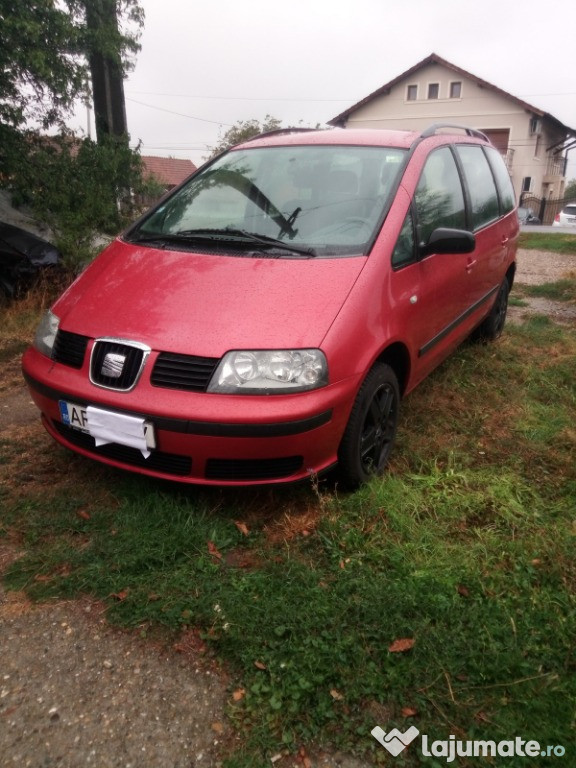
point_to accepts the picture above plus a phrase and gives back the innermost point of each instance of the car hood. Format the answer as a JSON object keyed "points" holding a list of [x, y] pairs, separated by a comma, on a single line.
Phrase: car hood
{"points": [[207, 304]]}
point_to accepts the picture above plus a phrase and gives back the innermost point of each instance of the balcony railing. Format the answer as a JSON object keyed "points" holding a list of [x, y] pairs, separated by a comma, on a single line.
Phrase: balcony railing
{"points": [[555, 166]]}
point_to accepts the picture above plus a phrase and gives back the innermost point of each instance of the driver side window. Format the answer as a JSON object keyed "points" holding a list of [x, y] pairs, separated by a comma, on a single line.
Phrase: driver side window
{"points": [[439, 197]]}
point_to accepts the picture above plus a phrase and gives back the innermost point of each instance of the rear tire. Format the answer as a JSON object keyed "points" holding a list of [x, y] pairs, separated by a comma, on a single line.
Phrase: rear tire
{"points": [[369, 436], [492, 326]]}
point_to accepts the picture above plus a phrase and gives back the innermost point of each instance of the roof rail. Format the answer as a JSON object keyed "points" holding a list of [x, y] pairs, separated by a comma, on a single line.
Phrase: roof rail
{"points": [[435, 128], [280, 131]]}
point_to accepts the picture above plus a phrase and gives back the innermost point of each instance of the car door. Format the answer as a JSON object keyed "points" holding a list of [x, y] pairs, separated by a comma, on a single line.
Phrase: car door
{"points": [[488, 263], [444, 277]]}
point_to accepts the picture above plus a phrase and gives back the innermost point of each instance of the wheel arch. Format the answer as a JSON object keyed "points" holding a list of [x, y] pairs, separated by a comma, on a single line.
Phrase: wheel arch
{"points": [[397, 357], [511, 274]]}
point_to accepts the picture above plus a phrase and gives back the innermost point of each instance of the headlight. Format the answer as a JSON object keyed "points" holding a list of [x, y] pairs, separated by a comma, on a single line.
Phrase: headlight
{"points": [[270, 372], [46, 333]]}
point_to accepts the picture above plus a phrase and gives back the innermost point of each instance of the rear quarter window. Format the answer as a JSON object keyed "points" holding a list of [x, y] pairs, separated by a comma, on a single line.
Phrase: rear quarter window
{"points": [[503, 181]]}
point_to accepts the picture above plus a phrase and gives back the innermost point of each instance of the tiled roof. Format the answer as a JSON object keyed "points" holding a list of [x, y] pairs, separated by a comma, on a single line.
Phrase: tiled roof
{"points": [[169, 171]]}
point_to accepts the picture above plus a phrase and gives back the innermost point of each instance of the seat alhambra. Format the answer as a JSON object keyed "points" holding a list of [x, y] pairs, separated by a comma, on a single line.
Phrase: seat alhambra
{"points": [[262, 323]]}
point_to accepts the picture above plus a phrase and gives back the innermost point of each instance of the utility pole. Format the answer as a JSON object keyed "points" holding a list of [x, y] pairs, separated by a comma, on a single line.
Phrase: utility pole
{"points": [[106, 70]]}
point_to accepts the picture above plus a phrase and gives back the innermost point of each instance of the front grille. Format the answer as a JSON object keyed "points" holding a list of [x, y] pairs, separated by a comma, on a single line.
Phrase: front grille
{"points": [[133, 356], [186, 372], [69, 348], [252, 469], [167, 463]]}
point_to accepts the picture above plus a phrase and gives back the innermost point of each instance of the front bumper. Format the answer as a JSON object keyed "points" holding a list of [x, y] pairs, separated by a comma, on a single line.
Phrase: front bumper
{"points": [[202, 438]]}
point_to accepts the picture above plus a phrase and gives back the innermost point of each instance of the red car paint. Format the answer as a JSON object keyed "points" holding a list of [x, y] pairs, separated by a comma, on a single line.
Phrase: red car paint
{"points": [[356, 307]]}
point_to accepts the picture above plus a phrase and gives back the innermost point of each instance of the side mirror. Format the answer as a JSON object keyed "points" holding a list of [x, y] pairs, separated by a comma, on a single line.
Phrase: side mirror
{"points": [[443, 240]]}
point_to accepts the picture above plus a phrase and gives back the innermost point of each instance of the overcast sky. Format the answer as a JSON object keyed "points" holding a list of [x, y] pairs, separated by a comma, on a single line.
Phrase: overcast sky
{"points": [[205, 65]]}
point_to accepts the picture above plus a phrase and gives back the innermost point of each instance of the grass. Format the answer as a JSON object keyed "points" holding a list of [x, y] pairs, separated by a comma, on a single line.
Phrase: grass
{"points": [[465, 549], [560, 290], [555, 242]]}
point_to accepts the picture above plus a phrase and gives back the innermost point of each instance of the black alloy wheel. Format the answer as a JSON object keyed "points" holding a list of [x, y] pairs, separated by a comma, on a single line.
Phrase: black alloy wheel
{"points": [[371, 430]]}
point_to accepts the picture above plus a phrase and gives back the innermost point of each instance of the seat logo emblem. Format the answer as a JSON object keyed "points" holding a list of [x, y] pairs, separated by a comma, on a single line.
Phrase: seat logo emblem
{"points": [[113, 365]]}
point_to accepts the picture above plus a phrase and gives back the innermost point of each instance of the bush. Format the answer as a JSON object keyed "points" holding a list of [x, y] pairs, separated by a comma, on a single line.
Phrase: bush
{"points": [[80, 189]]}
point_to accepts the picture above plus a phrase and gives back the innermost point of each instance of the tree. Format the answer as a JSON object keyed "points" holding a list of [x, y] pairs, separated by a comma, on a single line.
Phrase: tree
{"points": [[570, 191], [49, 48], [46, 45], [37, 80], [242, 131]]}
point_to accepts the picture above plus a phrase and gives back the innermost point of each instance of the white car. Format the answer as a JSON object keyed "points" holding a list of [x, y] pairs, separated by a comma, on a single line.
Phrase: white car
{"points": [[566, 217]]}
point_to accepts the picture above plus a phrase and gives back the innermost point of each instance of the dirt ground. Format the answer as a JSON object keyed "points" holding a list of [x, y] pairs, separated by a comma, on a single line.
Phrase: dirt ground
{"points": [[537, 268], [75, 692]]}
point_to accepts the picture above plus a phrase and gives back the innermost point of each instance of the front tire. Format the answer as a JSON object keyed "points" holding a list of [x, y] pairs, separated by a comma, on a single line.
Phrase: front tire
{"points": [[369, 436]]}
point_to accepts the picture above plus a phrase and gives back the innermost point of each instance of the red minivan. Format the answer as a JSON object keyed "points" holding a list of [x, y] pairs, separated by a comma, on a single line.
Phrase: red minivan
{"points": [[263, 321]]}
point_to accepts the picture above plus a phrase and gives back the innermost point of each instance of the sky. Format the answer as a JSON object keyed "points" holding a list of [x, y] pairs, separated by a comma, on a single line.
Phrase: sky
{"points": [[206, 65]]}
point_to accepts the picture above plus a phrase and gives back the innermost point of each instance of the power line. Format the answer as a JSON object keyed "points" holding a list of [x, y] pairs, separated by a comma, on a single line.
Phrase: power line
{"points": [[237, 98], [180, 114]]}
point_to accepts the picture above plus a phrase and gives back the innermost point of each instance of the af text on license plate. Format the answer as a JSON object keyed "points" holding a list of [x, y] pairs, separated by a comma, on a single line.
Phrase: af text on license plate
{"points": [[74, 415]]}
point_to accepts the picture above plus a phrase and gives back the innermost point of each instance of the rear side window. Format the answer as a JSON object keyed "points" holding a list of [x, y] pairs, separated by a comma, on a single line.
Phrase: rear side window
{"points": [[503, 181], [439, 198], [481, 185]]}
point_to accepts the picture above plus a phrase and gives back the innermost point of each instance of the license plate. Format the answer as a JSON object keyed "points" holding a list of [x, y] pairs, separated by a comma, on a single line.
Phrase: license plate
{"points": [[76, 416]]}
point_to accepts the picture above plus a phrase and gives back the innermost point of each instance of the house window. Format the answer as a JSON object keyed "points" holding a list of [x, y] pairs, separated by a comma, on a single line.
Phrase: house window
{"points": [[537, 146], [535, 126], [411, 93], [433, 90], [455, 90], [526, 183]]}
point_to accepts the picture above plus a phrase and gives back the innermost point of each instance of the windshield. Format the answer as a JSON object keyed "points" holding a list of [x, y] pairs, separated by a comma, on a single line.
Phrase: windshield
{"points": [[318, 200]]}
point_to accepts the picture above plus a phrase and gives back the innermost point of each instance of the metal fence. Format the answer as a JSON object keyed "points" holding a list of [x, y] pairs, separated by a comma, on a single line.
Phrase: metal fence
{"points": [[545, 208]]}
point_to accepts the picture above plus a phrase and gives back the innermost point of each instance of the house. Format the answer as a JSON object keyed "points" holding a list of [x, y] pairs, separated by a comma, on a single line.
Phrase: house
{"points": [[532, 141], [167, 171]]}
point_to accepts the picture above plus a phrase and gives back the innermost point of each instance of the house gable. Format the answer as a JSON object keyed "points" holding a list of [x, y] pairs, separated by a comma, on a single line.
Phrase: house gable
{"points": [[433, 66]]}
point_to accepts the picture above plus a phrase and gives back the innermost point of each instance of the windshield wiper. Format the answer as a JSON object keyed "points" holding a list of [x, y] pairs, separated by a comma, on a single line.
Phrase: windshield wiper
{"points": [[227, 234]]}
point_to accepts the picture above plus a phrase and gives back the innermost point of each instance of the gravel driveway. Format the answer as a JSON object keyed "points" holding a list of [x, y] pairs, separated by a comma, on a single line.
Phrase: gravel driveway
{"points": [[75, 692]]}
